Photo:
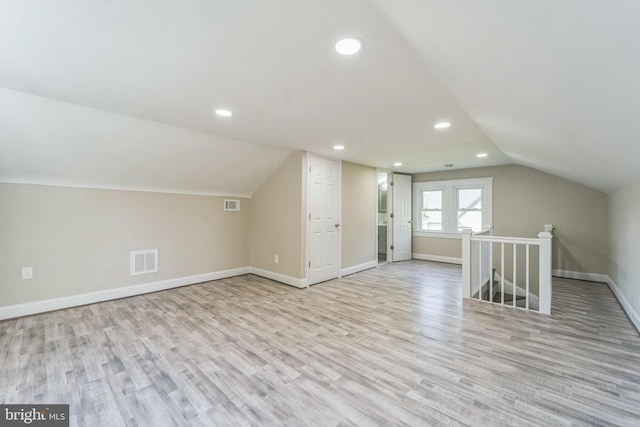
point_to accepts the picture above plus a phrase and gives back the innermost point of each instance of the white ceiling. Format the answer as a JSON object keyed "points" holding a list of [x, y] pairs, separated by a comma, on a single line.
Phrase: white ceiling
{"points": [[555, 84], [546, 84], [49, 142]]}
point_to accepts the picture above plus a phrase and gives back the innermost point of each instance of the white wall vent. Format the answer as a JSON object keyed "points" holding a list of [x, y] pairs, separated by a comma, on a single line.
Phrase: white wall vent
{"points": [[143, 262], [231, 205]]}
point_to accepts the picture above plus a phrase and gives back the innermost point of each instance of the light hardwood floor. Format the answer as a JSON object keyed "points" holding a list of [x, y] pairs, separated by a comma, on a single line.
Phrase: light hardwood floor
{"points": [[390, 346]]}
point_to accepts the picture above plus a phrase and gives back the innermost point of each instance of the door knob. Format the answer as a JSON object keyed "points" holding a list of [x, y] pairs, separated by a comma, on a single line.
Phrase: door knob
{"points": [[337, 225]]}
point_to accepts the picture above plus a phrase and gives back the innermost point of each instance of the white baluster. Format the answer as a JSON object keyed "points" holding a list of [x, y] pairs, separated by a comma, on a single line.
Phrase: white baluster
{"points": [[490, 244], [545, 272], [466, 263], [502, 273], [480, 270], [470, 272], [514, 274], [527, 277]]}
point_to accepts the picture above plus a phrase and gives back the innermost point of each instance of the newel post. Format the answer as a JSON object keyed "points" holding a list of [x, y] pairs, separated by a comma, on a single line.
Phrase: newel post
{"points": [[545, 269], [466, 263]]}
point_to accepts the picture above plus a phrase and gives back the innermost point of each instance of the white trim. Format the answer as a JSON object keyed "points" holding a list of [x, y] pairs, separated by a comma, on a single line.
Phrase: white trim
{"points": [[456, 182], [504, 239], [282, 278], [390, 220], [42, 306], [579, 275], [437, 234], [339, 218], [449, 203], [388, 252], [358, 268], [119, 188], [626, 305], [437, 258], [304, 208]]}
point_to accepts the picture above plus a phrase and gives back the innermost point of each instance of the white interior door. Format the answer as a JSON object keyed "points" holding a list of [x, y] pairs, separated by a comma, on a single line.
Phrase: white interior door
{"points": [[400, 217], [324, 219]]}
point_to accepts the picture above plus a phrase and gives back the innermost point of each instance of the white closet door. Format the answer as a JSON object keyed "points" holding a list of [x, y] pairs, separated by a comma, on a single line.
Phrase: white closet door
{"points": [[324, 219]]}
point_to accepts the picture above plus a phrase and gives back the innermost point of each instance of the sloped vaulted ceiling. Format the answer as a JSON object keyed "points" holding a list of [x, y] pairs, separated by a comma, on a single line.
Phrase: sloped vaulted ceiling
{"points": [[115, 93], [554, 84]]}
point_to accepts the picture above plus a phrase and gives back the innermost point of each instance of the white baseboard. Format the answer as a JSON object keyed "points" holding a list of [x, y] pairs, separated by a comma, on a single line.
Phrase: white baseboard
{"points": [[626, 305], [358, 268], [579, 275], [282, 278], [42, 306], [437, 258]]}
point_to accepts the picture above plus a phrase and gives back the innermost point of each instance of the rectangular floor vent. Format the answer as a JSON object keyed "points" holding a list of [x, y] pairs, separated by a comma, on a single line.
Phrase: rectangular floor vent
{"points": [[231, 205], [143, 262]]}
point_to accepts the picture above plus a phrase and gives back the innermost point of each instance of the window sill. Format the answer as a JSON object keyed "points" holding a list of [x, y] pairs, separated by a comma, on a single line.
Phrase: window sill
{"points": [[437, 234]]}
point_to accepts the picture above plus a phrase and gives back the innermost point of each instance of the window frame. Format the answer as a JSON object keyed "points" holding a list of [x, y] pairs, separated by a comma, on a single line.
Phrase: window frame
{"points": [[441, 210], [449, 190], [458, 209]]}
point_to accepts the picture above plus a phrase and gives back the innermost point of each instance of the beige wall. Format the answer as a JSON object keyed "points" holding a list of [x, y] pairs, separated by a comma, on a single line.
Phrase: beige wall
{"points": [[276, 219], [524, 200], [624, 240], [78, 240], [359, 207], [450, 248]]}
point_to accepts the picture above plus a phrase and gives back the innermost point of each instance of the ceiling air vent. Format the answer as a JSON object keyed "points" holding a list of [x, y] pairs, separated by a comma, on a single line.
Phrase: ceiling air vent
{"points": [[231, 205], [143, 262]]}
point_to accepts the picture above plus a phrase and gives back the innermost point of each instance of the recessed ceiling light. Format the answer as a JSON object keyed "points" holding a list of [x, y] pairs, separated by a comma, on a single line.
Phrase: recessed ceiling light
{"points": [[448, 165], [338, 147], [442, 125], [348, 46], [223, 113], [397, 164], [481, 155]]}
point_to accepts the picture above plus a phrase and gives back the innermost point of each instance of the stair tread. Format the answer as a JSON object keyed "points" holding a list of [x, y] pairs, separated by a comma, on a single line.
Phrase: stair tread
{"points": [[507, 297]]}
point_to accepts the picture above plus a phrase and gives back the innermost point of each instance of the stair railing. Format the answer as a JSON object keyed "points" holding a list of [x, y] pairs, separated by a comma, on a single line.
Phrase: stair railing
{"points": [[479, 269]]}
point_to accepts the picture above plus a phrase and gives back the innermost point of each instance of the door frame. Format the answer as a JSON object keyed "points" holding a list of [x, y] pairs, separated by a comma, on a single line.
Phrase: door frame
{"points": [[306, 171], [387, 173], [389, 219]]}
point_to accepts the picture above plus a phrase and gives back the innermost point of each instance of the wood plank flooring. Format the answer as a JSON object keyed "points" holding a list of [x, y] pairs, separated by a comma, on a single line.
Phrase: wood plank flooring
{"points": [[390, 346]]}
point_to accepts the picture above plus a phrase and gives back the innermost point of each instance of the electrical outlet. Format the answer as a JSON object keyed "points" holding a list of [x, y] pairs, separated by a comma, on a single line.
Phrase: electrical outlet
{"points": [[27, 273], [275, 259]]}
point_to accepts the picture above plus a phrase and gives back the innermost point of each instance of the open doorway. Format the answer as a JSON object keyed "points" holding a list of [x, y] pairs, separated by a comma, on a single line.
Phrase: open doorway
{"points": [[382, 217]]}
